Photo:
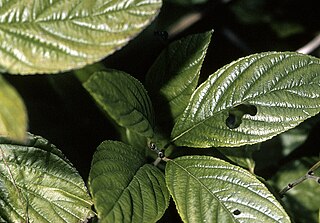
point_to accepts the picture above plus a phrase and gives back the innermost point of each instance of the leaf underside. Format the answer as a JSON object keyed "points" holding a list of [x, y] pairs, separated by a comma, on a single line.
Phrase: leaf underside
{"points": [[13, 114], [282, 87], [37, 184], [43, 36], [206, 189], [124, 189]]}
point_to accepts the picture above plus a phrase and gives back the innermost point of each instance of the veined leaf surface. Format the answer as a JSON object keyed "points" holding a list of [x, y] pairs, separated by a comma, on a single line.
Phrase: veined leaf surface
{"points": [[38, 184], [124, 188], [13, 114], [206, 189], [174, 75], [282, 88], [124, 98], [53, 36]]}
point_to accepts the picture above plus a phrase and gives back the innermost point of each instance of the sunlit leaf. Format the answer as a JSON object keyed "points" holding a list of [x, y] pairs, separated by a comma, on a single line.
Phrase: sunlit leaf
{"points": [[124, 98], [38, 184], [251, 100], [53, 36], [13, 115], [206, 189], [124, 188]]}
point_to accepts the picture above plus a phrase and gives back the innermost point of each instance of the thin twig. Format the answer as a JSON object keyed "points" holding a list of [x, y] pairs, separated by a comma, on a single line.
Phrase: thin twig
{"points": [[308, 175], [311, 46], [184, 23]]}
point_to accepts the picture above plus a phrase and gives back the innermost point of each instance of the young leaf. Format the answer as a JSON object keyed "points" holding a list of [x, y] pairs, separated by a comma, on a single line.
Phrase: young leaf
{"points": [[251, 100], [13, 115], [53, 36], [37, 184], [303, 200], [124, 99], [124, 188], [206, 189], [174, 76]]}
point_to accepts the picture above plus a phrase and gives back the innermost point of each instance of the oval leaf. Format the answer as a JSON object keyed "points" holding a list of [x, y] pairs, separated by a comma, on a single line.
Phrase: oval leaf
{"points": [[206, 189], [13, 114], [123, 188], [251, 100], [37, 184], [53, 36], [124, 99], [174, 76]]}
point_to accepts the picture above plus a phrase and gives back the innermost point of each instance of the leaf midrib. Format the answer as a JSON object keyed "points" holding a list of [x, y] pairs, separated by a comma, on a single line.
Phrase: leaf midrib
{"points": [[206, 188], [226, 108]]}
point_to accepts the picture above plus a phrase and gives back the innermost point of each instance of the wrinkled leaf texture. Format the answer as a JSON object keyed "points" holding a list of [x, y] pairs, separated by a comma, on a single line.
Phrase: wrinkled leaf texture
{"points": [[54, 36], [124, 188], [207, 189], [124, 98], [13, 114], [38, 184], [283, 86], [174, 75]]}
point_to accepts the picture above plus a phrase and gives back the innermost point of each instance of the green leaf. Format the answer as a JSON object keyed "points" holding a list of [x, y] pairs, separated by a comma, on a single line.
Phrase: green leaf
{"points": [[174, 75], [53, 36], [251, 100], [302, 201], [206, 189], [37, 184], [242, 156], [13, 114], [124, 188], [124, 99]]}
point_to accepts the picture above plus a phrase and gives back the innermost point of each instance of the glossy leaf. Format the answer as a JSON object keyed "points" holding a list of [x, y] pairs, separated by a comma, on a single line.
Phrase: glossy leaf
{"points": [[174, 75], [13, 115], [124, 188], [302, 201], [206, 189], [251, 100], [124, 99], [43, 36], [38, 184]]}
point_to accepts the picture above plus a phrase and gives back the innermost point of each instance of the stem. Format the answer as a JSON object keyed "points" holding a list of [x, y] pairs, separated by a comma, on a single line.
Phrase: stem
{"points": [[308, 175], [311, 46]]}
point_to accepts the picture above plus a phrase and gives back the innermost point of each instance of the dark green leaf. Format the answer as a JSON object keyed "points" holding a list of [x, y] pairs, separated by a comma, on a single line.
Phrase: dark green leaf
{"points": [[43, 36], [124, 188], [37, 184], [206, 189], [251, 100], [174, 75], [13, 114], [124, 99]]}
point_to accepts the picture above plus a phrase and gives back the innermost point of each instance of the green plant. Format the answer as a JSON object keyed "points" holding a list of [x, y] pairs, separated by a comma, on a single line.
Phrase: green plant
{"points": [[184, 135]]}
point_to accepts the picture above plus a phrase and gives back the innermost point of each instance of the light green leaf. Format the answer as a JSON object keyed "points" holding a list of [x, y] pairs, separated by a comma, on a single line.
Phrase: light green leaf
{"points": [[251, 100], [53, 36], [38, 185], [174, 75], [302, 201], [124, 188], [206, 189], [13, 115], [124, 99]]}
